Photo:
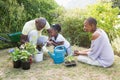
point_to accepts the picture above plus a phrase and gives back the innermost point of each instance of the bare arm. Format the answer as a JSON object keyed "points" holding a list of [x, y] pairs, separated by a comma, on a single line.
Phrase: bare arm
{"points": [[51, 42], [84, 52], [58, 43], [87, 50]]}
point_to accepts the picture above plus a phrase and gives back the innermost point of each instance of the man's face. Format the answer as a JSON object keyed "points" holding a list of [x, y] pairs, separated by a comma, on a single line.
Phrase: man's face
{"points": [[39, 25], [87, 26]]}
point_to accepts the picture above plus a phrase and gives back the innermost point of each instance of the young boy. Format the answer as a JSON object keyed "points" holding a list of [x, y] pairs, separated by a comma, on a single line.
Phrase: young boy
{"points": [[57, 39]]}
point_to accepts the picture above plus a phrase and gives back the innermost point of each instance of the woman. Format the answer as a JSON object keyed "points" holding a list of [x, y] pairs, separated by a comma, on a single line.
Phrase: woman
{"points": [[100, 52]]}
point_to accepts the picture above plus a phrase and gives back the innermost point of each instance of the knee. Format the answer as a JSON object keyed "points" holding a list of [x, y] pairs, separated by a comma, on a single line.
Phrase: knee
{"points": [[42, 40], [82, 58], [33, 36]]}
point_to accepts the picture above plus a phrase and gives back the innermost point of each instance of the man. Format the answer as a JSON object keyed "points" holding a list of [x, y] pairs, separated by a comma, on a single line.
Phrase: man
{"points": [[100, 52], [32, 31]]}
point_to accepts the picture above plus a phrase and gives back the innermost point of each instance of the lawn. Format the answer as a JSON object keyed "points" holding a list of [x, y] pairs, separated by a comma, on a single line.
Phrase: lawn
{"points": [[47, 70]]}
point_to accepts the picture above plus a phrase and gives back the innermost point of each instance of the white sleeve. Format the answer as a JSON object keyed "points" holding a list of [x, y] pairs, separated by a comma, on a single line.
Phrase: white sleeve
{"points": [[60, 38], [96, 48]]}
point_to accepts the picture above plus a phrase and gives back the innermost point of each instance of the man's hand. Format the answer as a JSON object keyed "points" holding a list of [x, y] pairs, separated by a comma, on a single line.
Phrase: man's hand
{"points": [[24, 38]]}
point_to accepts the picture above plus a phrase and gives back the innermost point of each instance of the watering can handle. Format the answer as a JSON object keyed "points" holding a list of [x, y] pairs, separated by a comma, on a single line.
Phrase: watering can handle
{"points": [[60, 47]]}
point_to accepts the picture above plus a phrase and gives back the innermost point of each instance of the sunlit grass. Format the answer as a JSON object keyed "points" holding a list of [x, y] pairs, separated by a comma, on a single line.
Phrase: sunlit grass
{"points": [[47, 70]]}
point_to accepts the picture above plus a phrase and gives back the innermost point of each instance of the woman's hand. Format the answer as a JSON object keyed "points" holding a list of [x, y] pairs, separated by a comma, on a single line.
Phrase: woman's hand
{"points": [[76, 52], [85, 52]]}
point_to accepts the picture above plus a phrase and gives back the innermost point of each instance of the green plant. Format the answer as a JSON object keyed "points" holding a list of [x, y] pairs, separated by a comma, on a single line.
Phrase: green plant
{"points": [[30, 48], [72, 24], [116, 3], [16, 54], [106, 16], [72, 27], [24, 52], [25, 55], [69, 58], [16, 12], [116, 45]]}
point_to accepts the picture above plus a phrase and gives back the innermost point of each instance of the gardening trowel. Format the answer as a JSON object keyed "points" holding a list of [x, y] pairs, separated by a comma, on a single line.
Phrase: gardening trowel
{"points": [[44, 49]]}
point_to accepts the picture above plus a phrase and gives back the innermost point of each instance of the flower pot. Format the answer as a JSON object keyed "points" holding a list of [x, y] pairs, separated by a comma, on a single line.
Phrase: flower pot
{"points": [[38, 57], [25, 65], [17, 64], [70, 64]]}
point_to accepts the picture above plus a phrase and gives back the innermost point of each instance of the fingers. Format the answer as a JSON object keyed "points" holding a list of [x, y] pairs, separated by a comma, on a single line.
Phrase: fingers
{"points": [[49, 43], [76, 52]]}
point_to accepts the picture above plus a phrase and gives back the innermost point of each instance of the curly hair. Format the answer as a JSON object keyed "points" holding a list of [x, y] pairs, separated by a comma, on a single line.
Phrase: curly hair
{"points": [[56, 27], [92, 20]]}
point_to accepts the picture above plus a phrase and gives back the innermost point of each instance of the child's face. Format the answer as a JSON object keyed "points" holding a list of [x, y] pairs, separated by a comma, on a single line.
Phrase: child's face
{"points": [[52, 32]]}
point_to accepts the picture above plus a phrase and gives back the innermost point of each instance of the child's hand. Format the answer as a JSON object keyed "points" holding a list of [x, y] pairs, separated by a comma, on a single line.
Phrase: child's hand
{"points": [[49, 43]]}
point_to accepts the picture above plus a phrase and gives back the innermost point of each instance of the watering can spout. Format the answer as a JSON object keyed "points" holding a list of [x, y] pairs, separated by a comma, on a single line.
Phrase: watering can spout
{"points": [[50, 54]]}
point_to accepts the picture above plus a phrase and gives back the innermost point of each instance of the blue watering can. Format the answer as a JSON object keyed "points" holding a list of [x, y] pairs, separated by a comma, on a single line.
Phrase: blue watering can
{"points": [[58, 55]]}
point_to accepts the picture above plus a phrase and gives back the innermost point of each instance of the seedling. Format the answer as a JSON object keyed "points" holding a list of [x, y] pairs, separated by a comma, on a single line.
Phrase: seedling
{"points": [[70, 61]]}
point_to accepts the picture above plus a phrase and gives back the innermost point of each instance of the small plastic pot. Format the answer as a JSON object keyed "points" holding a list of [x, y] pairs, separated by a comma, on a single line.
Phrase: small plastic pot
{"points": [[70, 64], [17, 64], [38, 57], [25, 65]]}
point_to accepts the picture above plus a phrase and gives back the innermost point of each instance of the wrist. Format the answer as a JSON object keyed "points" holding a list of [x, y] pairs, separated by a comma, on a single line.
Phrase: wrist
{"points": [[79, 52]]}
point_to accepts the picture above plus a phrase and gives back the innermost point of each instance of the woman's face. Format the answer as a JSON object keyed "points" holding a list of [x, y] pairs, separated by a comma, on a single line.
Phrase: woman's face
{"points": [[87, 26]]}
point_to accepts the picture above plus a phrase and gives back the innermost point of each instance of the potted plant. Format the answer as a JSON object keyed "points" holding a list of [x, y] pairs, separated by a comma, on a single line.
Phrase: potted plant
{"points": [[70, 61], [31, 48], [25, 58], [15, 56]]}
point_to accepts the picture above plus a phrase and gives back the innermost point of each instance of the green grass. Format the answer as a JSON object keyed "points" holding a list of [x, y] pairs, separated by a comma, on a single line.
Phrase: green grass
{"points": [[47, 70]]}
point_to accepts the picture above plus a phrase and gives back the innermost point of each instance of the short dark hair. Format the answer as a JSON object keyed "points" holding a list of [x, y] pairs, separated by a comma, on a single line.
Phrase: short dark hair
{"points": [[56, 27], [91, 21]]}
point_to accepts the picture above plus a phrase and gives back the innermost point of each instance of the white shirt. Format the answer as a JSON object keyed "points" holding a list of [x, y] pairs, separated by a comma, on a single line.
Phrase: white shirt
{"points": [[61, 38], [101, 49], [30, 25]]}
